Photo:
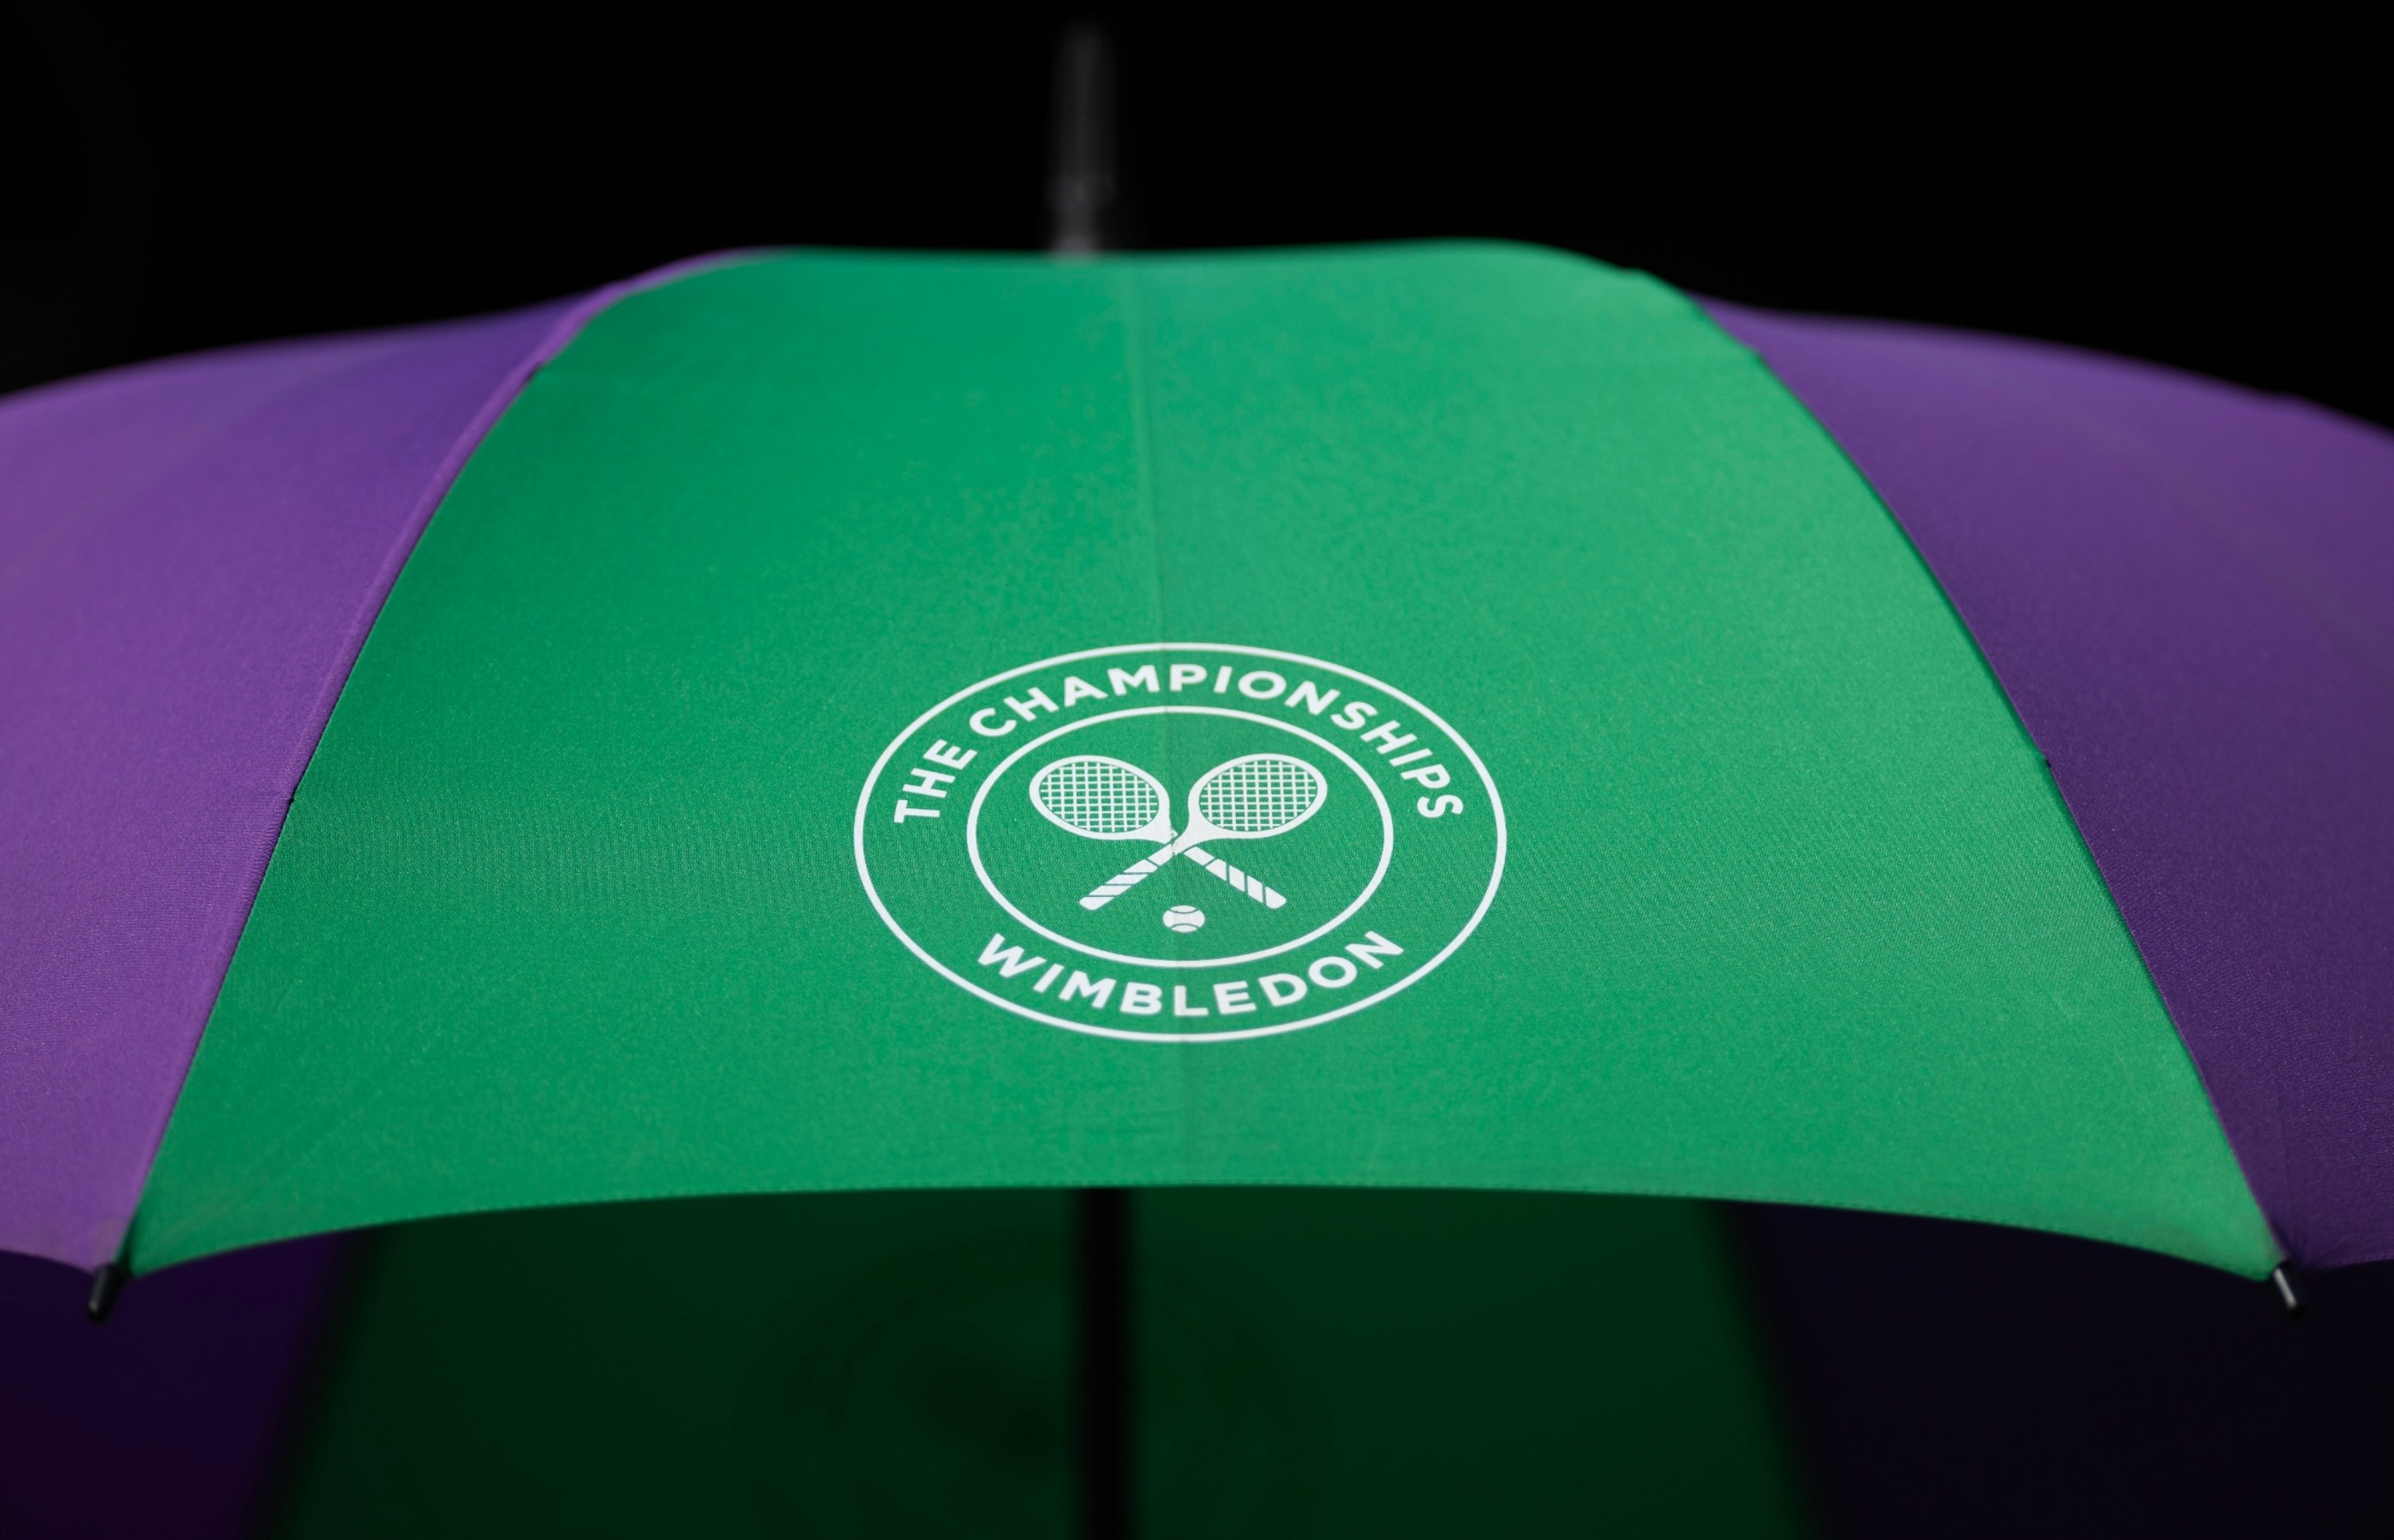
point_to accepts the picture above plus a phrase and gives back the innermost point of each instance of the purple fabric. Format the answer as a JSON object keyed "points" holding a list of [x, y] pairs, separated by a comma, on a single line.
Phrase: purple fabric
{"points": [[2187, 591], [171, 1419], [190, 553]]}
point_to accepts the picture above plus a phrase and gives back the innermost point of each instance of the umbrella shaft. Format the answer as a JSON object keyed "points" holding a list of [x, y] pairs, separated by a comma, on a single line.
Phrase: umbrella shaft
{"points": [[1104, 1380]]}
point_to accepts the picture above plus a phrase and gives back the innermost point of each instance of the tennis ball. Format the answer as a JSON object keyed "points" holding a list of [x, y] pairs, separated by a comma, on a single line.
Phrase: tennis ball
{"points": [[1183, 918]]}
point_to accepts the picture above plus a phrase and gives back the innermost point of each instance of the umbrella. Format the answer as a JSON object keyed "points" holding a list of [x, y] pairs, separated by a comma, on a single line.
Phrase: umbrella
{"points": [[797, 660], [1437, 717]]}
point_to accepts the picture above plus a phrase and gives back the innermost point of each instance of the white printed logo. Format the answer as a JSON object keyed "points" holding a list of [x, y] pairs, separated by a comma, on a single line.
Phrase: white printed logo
{"points": [[1177, 842]]}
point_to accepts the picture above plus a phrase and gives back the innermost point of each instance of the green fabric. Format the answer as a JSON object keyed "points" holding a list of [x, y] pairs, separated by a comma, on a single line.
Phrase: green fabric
{"points": [[1309, 1362], [568, 907]]}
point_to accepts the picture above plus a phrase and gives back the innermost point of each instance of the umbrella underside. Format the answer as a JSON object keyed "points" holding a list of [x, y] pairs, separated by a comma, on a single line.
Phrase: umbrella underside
{"points": [[1390, 1362]]}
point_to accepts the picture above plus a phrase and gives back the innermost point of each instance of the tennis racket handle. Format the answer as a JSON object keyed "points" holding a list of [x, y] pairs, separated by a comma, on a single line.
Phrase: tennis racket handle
{"points": [[1254, 888], [1132, 876]]}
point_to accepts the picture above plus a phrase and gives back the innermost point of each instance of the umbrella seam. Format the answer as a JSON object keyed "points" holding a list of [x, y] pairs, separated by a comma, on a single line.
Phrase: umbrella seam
{"points": [[560, 336]]}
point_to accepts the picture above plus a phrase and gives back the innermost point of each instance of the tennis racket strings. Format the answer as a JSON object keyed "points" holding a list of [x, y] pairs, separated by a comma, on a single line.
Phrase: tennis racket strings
{"points": [[1103, 799], [1261, 794]]}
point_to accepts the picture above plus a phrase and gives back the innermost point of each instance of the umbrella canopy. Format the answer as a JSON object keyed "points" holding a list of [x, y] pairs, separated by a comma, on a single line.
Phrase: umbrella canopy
{"points": [[1432, 717]]}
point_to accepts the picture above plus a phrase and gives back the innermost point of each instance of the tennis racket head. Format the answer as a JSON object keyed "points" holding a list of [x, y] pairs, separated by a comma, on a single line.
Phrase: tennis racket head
{"points": [[1256, 795], [1102, 798]]}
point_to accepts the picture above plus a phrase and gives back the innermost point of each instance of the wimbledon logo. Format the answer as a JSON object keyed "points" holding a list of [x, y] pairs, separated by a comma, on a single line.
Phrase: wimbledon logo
{"points": [[1180, 843]]}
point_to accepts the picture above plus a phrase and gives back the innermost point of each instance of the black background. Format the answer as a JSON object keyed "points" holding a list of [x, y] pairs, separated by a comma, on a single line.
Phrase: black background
{"points": [[2200, 196], [2203, 196]]}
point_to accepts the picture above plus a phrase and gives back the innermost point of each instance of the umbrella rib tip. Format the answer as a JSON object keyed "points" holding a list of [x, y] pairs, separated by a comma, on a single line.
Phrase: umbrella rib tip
{"points": [[2282, 1276], [106, 1283]]}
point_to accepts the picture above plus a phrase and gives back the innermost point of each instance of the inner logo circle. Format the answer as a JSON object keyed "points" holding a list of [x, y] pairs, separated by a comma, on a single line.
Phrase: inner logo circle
{"points": [[1246, 797]]}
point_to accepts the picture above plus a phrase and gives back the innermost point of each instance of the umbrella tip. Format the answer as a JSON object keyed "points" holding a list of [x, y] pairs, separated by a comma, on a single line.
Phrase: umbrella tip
{"points": [[1081, 180], [106, 1284], [2283, 1277]]}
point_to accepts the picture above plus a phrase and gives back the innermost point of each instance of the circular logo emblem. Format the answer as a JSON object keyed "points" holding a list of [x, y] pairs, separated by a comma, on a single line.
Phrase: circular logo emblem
{"points": [[1177, 842]]}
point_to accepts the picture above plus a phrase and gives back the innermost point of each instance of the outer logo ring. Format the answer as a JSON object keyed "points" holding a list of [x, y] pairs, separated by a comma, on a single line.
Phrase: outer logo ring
{"points": [[1480, 911]]}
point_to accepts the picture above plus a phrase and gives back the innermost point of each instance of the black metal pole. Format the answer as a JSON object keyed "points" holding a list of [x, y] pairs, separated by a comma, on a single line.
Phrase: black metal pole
{"points": [[1081, 174]]}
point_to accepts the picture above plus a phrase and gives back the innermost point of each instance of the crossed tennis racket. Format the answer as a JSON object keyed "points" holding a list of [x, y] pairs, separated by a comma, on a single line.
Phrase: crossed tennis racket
{"points": [[1250, 797]]}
